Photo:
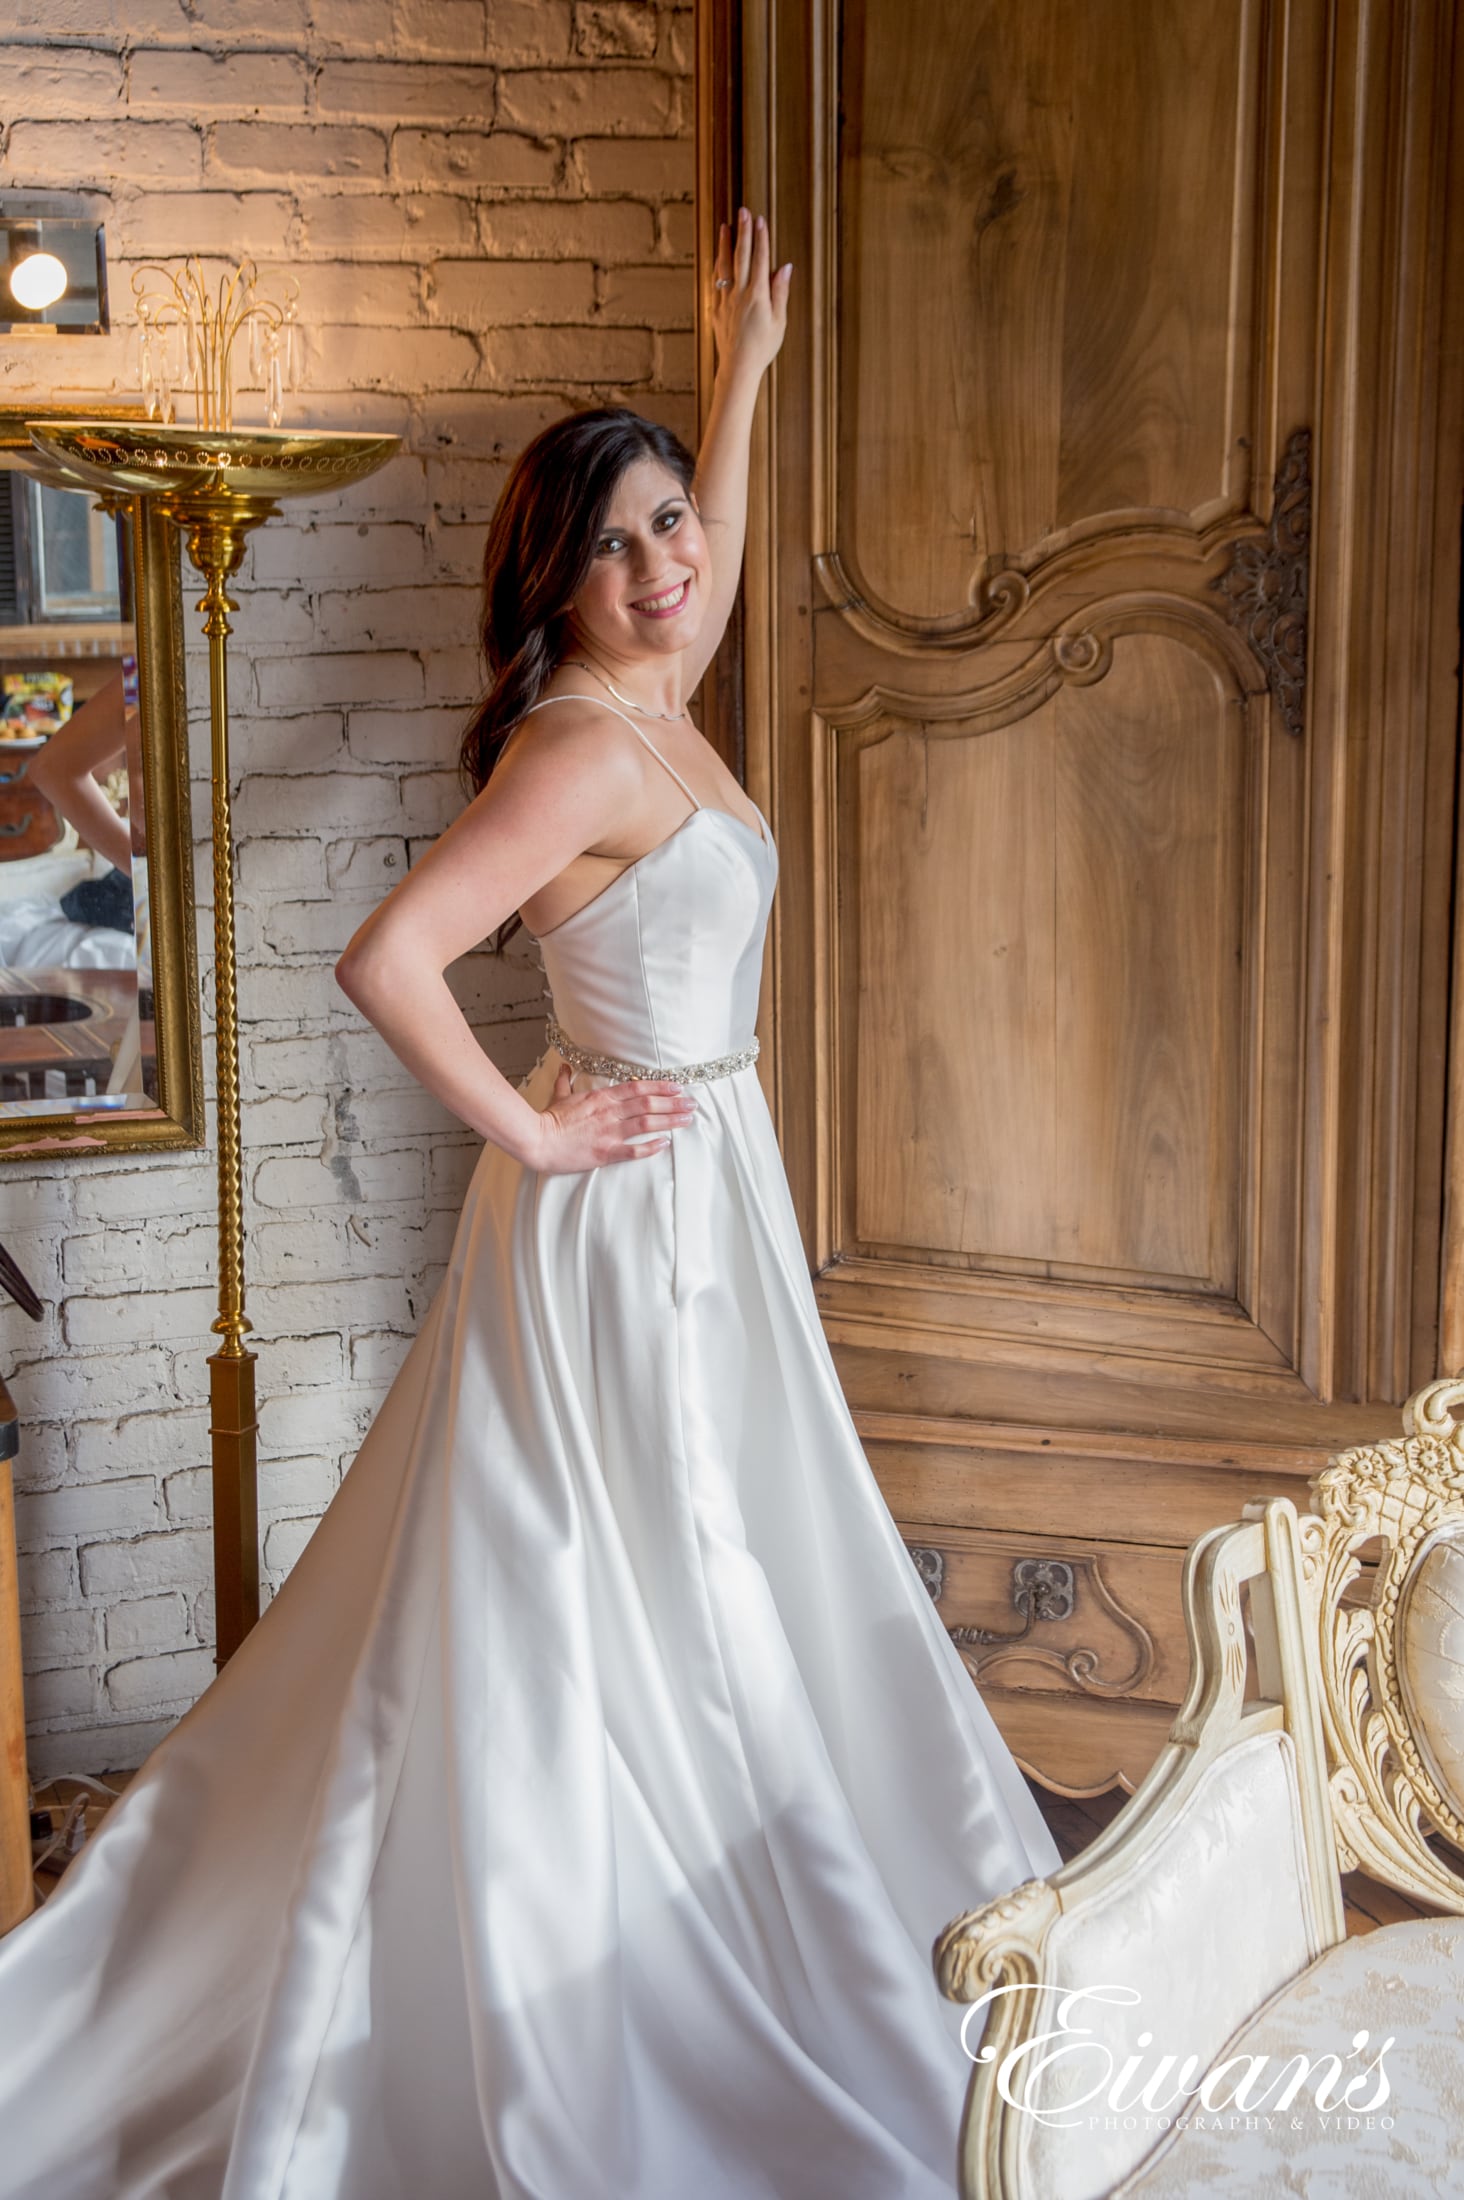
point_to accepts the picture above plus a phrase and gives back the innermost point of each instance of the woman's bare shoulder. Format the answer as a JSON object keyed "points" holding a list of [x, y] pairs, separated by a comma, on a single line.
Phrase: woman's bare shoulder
{"points": [[576, 735]]}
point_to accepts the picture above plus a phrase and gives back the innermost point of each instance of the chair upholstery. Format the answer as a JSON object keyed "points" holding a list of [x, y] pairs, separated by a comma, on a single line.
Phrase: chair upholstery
{"points": [[1400, 1986], [1431, 1660]]}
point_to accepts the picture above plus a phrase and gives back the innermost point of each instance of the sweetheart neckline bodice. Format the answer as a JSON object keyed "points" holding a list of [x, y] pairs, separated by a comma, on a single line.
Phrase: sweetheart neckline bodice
{"points": [[761, 840]]}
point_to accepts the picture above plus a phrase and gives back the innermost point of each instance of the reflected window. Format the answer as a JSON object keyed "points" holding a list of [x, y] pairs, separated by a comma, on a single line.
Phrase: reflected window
{"points": [[59, 556], [76, 558]]}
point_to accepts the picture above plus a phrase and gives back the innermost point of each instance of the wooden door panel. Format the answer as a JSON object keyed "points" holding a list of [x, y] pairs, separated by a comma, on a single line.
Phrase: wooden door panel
{"points": [[1046, 235], [1147, 859], [957, 943], [1047, 1032], [1065, 946]]}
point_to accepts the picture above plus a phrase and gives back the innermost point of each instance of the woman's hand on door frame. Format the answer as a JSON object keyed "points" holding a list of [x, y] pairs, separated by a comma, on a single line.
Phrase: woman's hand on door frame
{"points": [[750, 301]]}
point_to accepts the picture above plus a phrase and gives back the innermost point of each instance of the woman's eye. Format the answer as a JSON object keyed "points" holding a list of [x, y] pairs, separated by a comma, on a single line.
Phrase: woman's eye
{"points": [[665, 523]]}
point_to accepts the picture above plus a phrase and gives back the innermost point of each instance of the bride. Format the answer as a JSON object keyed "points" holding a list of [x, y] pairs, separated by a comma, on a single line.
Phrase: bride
{"points": [[576, 1823]]}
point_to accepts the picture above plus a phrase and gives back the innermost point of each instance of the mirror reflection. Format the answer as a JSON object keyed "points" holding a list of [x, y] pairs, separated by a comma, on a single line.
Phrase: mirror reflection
{"points": [[76, 1006]]}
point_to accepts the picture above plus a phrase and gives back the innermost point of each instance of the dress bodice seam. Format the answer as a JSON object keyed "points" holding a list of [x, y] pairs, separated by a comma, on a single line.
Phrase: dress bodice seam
{"points": [[647, 991]]}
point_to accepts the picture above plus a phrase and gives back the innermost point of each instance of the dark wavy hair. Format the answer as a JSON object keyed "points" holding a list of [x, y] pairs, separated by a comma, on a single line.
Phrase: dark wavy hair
{"points": [[541, 544]]}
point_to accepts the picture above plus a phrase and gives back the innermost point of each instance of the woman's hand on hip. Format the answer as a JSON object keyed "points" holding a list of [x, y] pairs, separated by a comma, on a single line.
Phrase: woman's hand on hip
{"points": [[584, 1130]]}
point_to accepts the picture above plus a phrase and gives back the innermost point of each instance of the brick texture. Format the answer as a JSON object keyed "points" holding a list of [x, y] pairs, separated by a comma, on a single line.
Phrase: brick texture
{"points": [[488, 205]]}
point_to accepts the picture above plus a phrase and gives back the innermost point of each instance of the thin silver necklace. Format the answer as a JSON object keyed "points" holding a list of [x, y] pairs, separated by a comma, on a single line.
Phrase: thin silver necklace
{"points": [[669, 716]]}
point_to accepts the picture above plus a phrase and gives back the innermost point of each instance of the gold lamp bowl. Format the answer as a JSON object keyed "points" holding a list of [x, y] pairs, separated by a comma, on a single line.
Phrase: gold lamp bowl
{"points": [[251, 465]]}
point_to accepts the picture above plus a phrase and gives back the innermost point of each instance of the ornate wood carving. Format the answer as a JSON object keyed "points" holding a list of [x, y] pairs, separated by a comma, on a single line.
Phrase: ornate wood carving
{"points": [[1046, 1591], [1386, 1799], [1264, 587]]}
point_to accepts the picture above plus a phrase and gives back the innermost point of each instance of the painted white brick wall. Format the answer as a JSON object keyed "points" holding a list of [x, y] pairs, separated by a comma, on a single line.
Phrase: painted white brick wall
{"points": [[488, 203]]}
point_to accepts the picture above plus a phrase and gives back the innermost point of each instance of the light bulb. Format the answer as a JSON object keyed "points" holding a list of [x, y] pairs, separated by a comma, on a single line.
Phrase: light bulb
{"points": [[38, 281]]}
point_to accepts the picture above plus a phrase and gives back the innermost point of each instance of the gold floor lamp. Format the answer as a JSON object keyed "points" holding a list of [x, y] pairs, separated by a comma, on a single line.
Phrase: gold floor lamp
{"points": [[217, 484]]}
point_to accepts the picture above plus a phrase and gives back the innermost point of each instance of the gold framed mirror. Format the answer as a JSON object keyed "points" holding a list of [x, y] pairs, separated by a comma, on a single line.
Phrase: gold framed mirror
{"points": [[100, 1033]]}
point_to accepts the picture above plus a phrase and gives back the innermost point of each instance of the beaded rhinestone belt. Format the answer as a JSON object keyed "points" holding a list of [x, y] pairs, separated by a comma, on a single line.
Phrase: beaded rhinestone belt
{"points": [[621, 1073]]}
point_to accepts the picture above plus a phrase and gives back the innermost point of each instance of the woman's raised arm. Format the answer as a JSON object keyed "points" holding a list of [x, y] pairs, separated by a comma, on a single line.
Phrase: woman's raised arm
{"points": [[749, 318], [92, 739]]}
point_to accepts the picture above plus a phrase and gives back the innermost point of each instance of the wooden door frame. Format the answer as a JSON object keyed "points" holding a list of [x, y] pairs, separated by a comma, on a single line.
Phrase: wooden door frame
{"points": [[718, 193], [766, 661], [1448, 522]]}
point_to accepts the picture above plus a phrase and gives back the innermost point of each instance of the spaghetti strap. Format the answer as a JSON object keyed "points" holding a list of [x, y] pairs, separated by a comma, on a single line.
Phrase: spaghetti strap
{"points": [[546, 700]]}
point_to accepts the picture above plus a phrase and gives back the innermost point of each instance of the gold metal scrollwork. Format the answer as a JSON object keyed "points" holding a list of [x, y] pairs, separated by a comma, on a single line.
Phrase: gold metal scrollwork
{"points": [[1042, 1588], [930, 1565]]}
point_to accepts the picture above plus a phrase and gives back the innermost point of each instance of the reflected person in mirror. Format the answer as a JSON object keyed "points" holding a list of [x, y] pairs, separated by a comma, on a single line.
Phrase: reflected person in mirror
{"points": [[93, 741]]}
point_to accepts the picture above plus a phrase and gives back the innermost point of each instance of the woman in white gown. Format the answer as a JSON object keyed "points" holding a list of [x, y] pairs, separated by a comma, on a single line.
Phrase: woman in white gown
{"points": [[577, 1821]]}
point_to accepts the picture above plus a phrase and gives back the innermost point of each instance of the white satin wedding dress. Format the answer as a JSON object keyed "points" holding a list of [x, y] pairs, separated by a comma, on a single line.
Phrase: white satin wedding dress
{"points": [[576, 1822]]}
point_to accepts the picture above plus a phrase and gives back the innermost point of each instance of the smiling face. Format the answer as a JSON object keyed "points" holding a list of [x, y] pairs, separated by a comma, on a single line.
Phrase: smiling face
{"points": [[648, 585]]}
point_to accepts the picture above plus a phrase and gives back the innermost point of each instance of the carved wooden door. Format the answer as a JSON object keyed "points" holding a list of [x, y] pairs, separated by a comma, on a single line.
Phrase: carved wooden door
{"points": [[1101, 625]]}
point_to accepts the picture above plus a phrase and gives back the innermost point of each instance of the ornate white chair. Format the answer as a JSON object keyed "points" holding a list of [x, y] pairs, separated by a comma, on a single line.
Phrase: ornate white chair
{"points": [[1211, 2042]]}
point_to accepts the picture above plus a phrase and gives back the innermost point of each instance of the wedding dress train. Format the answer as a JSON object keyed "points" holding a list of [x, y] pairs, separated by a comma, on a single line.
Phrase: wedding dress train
{"points": [[576, 1822]]}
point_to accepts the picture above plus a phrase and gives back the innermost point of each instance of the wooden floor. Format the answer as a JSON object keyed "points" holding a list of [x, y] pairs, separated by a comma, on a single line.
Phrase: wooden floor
{"points": [[1073, 1823]]}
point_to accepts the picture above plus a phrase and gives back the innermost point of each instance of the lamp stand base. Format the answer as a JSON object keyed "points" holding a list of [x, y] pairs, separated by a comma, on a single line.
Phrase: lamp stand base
{"points": [[234, 1431]]}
